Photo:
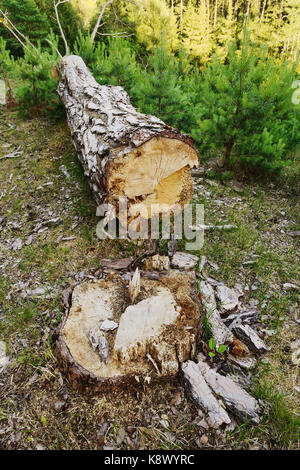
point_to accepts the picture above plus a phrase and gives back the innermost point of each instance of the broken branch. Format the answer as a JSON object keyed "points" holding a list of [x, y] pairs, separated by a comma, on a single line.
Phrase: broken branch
{"points": [[56, 5], [16, 154]]}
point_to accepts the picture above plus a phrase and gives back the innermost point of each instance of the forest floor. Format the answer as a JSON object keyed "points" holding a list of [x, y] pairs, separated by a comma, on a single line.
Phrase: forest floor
{"points": [[48, 242]]}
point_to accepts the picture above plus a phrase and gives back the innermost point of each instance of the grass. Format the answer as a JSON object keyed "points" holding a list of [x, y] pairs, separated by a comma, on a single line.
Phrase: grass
{"points": [[34, 381], [279, 426]]}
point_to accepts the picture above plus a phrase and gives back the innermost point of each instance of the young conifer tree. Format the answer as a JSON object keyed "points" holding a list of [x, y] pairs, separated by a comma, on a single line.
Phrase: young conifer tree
{"points": [[160, 92], [245, 109], [116, 64]]}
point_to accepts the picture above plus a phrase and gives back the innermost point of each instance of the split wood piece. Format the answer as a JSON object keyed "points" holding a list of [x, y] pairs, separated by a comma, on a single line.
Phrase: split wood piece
{"points": [[213, 227], [2, 93], [135, 285], [246, 334], [220, 332], [172, 247], [157, 263], [15, 154], [238, 348], [198, 171], [182, 260], [153, 275], [131, 262], [237, 400], [201, 394], [124, 152], [160, 327], [248, 316], [4, 358], [245, 363], [229, 298], [117, 264]]}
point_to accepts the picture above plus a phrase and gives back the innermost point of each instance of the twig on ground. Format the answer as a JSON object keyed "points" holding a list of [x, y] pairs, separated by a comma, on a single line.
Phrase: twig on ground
{"points": [[16, 154], [213, 227]]}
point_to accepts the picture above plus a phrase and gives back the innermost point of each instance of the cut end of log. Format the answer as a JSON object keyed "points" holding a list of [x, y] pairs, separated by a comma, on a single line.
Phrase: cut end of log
{"points": [[105, 341], [155, 177]]}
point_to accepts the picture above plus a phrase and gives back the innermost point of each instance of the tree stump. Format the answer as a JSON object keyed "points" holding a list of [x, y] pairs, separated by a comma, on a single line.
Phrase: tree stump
{"points": [[124, 152], [105, 341]]}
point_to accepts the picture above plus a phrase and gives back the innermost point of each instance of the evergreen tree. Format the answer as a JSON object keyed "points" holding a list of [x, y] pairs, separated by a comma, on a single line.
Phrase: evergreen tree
{"points": [[196, 31], [245, 109], [112, 62], [226, 31], [38, 79], [152, 18], [26, 16], [160, 92]]}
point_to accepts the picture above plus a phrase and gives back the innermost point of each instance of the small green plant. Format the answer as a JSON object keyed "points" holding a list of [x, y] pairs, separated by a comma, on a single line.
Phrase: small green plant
{"points": [[212, 346], [44, 420]]}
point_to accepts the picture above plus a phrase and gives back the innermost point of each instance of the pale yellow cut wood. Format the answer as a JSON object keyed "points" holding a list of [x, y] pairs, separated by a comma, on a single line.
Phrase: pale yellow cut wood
{"points": [[162, 323], [155, 176]]}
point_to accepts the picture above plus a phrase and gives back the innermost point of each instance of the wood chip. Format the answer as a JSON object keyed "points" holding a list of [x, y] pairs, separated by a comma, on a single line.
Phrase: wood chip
{"points": [[183, 260], [220, 332], [250, 338], [238, 348], [201, 394], [117, 263], [241, 403]]}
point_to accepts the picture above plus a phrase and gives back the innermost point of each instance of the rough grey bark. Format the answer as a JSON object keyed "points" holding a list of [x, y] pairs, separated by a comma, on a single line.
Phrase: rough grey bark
{"points": [[220, 332], [202, 395], [237, 400], [105, 126], [246, 334]]}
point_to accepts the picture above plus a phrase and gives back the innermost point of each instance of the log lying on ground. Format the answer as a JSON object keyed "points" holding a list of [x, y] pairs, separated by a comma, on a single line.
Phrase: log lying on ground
{"points": [[124, 152]]}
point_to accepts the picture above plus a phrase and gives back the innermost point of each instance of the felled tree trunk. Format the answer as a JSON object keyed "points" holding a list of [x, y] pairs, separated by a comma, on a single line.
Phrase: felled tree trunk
{"points": [[124, 152]]}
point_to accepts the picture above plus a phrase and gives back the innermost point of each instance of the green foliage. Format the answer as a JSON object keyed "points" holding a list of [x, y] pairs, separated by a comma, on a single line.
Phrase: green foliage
{"points": [[212, 346], [112, 62], [160, 92], [196, 37], [26, 16], [283, 422], [116, 20], [151, 19], [85, 49], [116, 64], [245, 109], [37, 80], [70, 19], [6, 59]]}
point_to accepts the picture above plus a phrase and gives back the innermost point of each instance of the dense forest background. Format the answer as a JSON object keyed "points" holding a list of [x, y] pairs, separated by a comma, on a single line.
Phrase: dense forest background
{"points": [[224, 71]]}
